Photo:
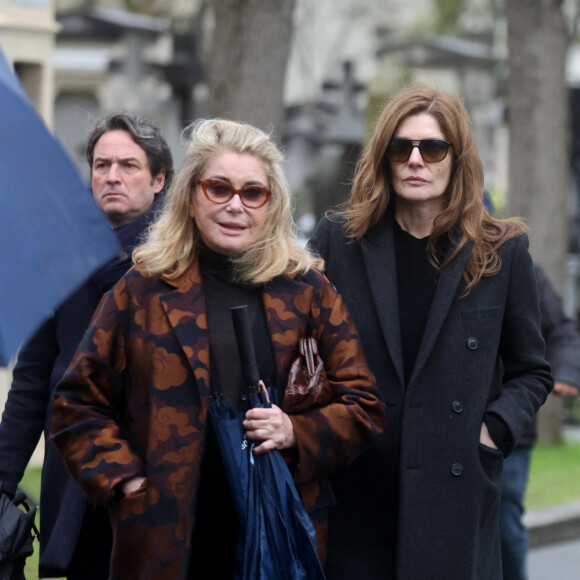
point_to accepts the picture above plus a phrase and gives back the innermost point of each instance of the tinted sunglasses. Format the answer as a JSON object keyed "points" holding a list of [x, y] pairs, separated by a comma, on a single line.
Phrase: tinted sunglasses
{"points": [[431, 150], [251, 196]]}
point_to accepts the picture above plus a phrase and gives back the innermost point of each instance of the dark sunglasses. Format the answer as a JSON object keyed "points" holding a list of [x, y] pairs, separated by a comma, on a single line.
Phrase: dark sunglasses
{"points": [[432, 150], [251, 196]]}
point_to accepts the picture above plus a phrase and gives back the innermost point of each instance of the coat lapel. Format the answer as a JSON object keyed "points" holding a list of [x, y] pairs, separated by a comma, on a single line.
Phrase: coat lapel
{"points": [[378, 250], [185, 309], [447, 286]]}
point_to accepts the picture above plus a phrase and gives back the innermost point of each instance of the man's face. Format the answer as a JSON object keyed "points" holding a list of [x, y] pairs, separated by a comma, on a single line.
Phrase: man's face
{"points": [[121, 178]]}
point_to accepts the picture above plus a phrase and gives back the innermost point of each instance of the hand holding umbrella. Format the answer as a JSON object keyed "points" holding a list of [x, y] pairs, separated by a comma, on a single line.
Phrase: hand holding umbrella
{"points": [[271, 426], [268, 424], [277, 539]]}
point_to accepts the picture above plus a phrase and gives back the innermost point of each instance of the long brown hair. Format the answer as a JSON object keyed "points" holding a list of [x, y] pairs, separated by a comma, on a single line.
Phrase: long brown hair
{"points": [[464, 217]]}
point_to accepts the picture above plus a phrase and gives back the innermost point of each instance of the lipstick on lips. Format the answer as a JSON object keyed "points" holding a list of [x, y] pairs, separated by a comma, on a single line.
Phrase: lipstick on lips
{"points": [[232, 226]]}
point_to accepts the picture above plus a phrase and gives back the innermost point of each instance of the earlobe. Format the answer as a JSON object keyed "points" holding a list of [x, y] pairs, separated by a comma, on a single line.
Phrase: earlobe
{"points": [[160, 181]]}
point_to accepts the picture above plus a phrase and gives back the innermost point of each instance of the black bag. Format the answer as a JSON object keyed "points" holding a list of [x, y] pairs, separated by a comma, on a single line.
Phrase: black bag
{"points": [[17, 531]]}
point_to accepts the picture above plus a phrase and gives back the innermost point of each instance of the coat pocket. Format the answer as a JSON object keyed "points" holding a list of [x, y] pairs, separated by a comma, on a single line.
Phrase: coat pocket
{"points": [[491, 461], [134, 504]]}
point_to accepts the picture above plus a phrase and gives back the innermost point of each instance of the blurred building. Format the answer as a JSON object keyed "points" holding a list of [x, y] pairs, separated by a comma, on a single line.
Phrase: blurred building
{"points": [[346, 62], [27, 36], [110, 60]]}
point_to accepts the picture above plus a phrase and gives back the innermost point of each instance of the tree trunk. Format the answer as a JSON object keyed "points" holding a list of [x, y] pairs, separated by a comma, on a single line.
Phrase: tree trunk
{"points": [[539, 157], [538, 109], [249, 53]]}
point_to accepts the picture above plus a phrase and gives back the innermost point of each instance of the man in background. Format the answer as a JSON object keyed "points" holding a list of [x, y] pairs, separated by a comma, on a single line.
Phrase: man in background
{"points": [[131, 166], [563, 353]]}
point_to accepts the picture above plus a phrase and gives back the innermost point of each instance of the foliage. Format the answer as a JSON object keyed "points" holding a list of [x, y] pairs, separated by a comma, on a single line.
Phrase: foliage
{"points": [[499, 200], [149, 7], [554, 475], [572, 410], [156, 8], [448, 13]]}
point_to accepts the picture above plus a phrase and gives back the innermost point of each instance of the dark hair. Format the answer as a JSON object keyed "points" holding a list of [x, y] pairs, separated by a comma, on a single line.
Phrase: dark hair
{"points": [[145, 133]]}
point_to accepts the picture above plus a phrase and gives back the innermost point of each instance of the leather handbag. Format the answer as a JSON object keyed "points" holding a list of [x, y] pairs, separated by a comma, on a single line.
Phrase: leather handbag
{"points": [[307, 386]]}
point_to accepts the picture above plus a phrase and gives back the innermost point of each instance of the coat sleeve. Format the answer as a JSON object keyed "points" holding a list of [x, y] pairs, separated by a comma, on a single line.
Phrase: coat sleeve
{"points": [[331, 437], [527, 379], [25, 412], [87, 403], [560, 333]]}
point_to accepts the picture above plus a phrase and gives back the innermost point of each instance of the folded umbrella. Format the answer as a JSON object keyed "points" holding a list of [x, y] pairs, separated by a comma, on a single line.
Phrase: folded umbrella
{"points": [[277, 539]]}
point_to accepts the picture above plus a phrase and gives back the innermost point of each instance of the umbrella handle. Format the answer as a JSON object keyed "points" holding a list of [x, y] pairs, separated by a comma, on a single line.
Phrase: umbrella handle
{"points": [[245, 342]]}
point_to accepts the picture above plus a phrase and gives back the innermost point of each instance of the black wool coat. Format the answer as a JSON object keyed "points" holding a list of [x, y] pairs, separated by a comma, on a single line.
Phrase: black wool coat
{"points": [[424, 502], [39, 367]]}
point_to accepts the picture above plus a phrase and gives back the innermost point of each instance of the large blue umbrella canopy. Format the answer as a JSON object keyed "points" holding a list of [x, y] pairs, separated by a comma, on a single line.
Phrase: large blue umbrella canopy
{"points": [[52, 234]]}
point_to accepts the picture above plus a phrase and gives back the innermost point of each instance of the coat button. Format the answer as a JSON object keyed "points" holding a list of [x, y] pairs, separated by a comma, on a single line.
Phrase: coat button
{"points": [[457, 406], [472, 343], [456, 469]]}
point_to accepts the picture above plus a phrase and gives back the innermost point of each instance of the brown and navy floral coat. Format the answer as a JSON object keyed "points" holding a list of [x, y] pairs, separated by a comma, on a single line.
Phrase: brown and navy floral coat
{"points": [[135, 401]]}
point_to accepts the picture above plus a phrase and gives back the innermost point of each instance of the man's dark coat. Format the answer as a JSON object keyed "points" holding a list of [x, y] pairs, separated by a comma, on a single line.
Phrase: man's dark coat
{"points": [[39, 367], [424, 502], [562, 342]]}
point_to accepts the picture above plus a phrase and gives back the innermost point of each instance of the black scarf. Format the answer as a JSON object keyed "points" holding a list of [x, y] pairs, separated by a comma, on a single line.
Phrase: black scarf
{"points": [[130, 236]]}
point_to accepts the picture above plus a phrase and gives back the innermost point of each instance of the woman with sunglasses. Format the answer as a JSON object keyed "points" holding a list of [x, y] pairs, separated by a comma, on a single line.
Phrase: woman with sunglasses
{"points": [[131, 415], [444, 298]]}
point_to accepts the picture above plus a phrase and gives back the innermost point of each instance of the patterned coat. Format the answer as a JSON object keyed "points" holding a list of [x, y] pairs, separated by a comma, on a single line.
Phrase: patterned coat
{"points": [[135, 401]]}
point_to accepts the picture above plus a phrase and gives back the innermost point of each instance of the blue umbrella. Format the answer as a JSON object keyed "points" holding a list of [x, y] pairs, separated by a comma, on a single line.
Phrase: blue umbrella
{"points": [[277, 539], [52, 234]]}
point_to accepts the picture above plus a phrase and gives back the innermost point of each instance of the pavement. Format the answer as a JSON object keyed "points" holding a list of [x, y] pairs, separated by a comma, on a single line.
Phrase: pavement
{"points": [[559, 523], [555, 562], [553, 525]]}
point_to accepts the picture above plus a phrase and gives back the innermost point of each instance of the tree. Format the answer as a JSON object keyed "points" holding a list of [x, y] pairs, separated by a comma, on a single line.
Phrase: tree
{"points": [[539, 157], [447, 15], [249, 53]]}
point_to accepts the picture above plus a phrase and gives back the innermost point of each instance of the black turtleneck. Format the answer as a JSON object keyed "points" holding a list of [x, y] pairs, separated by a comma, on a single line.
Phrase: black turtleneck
{"points": [[221, 294], [216, 526], [130, 236], [416, 287]]}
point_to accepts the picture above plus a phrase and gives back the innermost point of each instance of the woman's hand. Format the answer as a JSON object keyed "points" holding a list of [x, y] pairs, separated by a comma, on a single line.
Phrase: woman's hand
{"points": [[133, 484], [485, 438], [271, 426]]}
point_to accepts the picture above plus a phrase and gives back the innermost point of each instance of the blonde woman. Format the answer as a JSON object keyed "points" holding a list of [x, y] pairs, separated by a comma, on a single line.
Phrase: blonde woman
{"points": [[445, 300], [131, 415]]}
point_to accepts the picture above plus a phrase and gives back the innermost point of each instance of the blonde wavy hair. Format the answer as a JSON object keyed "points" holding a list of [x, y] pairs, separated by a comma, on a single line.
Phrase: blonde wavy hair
{"points": [[464, 217], [173, 240]]}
